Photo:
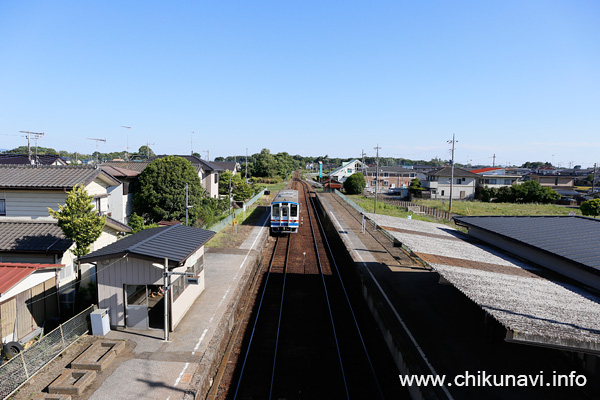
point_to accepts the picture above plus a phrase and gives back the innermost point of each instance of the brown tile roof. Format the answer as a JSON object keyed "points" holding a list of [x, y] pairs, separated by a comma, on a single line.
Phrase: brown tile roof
{"points": [[49, 176], [32, 237], [119, 172], [130, 165]]}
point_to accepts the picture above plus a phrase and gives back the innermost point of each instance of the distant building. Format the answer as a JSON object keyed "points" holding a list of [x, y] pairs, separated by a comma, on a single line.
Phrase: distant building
{"points": [[438, 182]]}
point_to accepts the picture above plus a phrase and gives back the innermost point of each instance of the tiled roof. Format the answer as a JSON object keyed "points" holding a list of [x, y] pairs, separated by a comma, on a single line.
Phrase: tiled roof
{"points": [[119, 172], [32, 237], [458, 172], [13, 273], [42, 159], [572, 238], [176, 242], [226, 165], [129, 165], [206, 165], [49, 176]]}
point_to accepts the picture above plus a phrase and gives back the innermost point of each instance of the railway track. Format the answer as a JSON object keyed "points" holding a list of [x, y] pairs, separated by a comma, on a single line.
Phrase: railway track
{"points": [[303, 339]]}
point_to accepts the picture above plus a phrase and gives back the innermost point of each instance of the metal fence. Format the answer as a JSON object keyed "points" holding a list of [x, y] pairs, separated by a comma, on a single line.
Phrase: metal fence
{"points": [[227, 221], [23, 366]]}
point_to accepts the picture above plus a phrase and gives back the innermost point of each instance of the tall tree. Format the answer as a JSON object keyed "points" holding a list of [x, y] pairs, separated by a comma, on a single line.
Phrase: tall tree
{"points": [[78, 220], [161, 194]]}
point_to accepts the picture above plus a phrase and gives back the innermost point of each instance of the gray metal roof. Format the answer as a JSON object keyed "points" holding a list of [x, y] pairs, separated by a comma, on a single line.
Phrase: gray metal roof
{"points": [[176, 242], [41, 159], [50, 176], [32, 237], [572, 238], [128, 165]]}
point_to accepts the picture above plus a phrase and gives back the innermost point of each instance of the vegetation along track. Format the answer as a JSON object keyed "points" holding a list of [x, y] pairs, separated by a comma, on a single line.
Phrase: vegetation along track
{"points": [[307, 336]]}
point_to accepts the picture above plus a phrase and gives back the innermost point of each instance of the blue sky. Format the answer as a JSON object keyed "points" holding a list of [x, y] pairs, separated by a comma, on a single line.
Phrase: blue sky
{"points": [[519, 79]]}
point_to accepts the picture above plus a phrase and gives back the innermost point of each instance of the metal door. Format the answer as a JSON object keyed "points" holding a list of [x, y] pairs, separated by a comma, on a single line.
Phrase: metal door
{"points": [[136, 306]]}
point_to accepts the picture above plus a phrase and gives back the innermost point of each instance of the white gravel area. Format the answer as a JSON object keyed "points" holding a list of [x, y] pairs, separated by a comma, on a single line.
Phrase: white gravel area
{"points": [[442, 247], [525, 305]]}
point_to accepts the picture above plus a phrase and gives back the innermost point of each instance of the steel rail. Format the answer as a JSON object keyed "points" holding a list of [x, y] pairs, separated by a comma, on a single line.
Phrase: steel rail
{"points": [[257, 317], [349, 303], [306, 197]]}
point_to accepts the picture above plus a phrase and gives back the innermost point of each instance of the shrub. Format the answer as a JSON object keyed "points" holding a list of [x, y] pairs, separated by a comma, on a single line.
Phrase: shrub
{"points": [[590, 207], [355, 184]]}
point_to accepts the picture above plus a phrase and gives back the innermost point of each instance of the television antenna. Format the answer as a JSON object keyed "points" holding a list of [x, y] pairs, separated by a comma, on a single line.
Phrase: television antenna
{"points": [[97, 141], [36, 136]]}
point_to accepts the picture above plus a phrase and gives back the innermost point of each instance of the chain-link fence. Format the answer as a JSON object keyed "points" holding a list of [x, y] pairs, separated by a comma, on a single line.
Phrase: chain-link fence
{"points": [[24, 365]]}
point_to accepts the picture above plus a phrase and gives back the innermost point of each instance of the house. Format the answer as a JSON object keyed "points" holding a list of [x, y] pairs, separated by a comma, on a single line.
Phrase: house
{"points": [[207, 171], [26, 193], [348, 168], [391, 177], [120, 200], [438, 182], [331, 185], [28, 299], [131, 280], [554, 181], [24, 159], [230, 166], [494, 177]]}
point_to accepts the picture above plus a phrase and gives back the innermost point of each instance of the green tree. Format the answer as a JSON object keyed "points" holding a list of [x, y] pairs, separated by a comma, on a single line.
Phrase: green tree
{"points": [[136, 223], [415, 186], [355, 183], [78, 220], [161, 193], [264, 164], [590, 207]]}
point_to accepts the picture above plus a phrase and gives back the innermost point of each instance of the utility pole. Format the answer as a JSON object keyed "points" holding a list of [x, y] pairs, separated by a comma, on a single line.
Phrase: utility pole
{"points": [[494, 160], [148, 149], [364, 166], [207, 154], [376, 176], [451, 171], [594, 179], [127, 148], [192, 144], [36, 135], [246, 164], [97, 140]]}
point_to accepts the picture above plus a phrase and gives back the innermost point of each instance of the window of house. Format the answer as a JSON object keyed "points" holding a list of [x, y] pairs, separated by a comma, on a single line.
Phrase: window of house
{"points": [[458, 181], [178, 287], [490, 181], [386, 174], [216, 178], [2, 207], [386, 183], [373, 174], [442, 192], [98, 204], [411, 175], [509, 181], [373, 183], [197, 267]]}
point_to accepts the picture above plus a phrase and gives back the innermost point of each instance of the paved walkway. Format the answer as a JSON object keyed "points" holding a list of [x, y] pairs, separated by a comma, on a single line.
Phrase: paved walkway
{"points": [[164, 370]]}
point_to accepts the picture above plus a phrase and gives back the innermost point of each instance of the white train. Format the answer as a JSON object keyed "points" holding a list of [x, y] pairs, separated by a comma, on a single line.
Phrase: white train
{"points": [[285, 212]]}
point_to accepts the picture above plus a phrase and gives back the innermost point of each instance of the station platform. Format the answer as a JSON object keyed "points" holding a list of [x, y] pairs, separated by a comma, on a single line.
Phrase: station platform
{"points": [[430, 327]]}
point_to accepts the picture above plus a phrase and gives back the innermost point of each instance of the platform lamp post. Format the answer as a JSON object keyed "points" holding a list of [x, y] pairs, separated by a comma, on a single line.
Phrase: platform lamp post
{"points": [[166, 298], [376, 177], [451, 172]]}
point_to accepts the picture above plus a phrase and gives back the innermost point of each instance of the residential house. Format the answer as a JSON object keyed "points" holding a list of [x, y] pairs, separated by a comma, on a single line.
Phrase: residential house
{"points": [[27, 231], [207, 171], [554, 181], [390, 177], [120, 200], [348, 168], [41, 159], [230, 166], [495, 177], [439, 182]]}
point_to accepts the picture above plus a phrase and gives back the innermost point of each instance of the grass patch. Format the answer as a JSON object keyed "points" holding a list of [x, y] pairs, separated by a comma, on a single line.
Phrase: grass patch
{"points": [[470, 208], [226, 238], [396, 211], [273, 187]]}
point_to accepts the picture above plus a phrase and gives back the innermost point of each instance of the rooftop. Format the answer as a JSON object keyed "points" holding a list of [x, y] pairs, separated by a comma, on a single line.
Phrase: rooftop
{"points": [[176, 242], [13, 273], [535, 306], [50, 176], [32, 237], [572, 238]]}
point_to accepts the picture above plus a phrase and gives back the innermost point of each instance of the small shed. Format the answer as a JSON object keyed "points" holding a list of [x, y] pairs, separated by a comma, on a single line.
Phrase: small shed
{"points": [[28, 299], [131, 275]]}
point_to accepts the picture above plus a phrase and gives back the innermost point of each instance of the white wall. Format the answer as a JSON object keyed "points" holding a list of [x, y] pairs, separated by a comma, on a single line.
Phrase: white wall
{"points": [[29, 282]]}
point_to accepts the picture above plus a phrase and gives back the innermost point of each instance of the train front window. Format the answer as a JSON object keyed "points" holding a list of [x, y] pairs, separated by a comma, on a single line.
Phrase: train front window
{"points": [[284, 211], [293, 210], [276, 210]]}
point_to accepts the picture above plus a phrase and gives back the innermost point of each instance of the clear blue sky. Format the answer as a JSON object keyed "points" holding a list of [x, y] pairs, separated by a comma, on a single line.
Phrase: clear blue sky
{"points": [[520, 79]]}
